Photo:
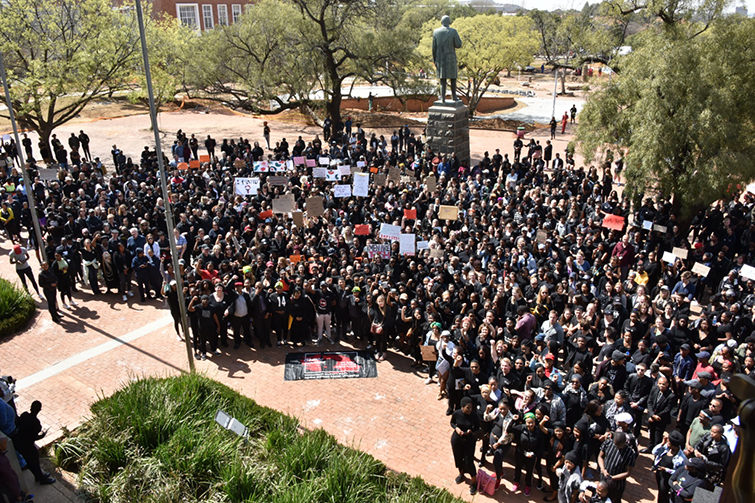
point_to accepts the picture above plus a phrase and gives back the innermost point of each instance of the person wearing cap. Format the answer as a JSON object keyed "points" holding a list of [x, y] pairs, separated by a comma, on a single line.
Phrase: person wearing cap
{"points": [[20, 257], [686, 479], [279, 306], [325, 300], [614, 370], [690, 406], [667, 457], [547, 396], [208, 324]]}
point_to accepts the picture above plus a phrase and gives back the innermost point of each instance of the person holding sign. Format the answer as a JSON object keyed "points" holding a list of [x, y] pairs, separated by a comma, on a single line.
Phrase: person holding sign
{"points": [[624, 251]]}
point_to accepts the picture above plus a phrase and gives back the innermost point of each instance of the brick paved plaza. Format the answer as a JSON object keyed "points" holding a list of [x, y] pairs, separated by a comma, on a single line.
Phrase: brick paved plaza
{"points": [[105, 342]]}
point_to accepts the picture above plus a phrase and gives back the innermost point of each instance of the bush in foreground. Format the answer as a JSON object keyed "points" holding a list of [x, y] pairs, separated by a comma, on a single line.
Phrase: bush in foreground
{"points": [[156, 441], [16, 308]]}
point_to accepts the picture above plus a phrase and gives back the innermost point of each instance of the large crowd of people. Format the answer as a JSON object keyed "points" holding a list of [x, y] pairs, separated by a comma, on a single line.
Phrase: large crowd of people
{"points": [[556, 317]]}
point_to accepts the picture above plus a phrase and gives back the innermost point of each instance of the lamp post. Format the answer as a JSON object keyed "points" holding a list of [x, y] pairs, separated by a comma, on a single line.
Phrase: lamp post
{"points": [[166, 193], [27, 180]]}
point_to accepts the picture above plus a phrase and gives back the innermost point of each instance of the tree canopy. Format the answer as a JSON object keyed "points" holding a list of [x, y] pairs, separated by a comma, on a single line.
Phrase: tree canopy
{"points": [[683, 111], [60, 55]]}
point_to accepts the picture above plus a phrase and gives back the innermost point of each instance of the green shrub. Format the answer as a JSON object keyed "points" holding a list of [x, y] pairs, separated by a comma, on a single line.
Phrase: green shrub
{"points": [[16, 308], [156, 441]]}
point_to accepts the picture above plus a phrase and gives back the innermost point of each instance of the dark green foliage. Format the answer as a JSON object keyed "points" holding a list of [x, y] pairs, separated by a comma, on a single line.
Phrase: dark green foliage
{"points": [[156, 441]]}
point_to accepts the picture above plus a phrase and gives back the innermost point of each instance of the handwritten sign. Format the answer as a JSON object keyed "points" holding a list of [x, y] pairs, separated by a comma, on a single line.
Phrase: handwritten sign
{"points": [[361, 164], [361, 184], [394, 175], [448, 213], [660, 228], [381, 180], [342, 190], [324, 161], [614, 222], [406, 244], [311, 163], [362, 230], [423, 245], [300, 160], [320, 172], [388, 231], [435, 253], [344, 170], [410, 214], [541, 236]]}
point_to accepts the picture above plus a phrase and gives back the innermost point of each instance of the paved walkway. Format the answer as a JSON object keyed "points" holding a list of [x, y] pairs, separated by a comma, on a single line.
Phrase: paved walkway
{"points": [[104, 343]]}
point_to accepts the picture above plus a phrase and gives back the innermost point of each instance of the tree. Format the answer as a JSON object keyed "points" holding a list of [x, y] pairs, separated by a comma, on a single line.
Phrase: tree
{"points": [[490, 44], [168, 43], [682, 109], [261, 59], [567, 40], [62, 54]]}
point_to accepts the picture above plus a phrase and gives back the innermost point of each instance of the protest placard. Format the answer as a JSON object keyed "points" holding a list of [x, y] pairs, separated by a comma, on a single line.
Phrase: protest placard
{"points": [[701, 269], [298, 218], [361, 164], [277, 180], [332, 175], [315, 206], [448, 213], [748, 272], [388, 231], [431, 183], [383, 250], [660, 228], [311, 163], [406, 244], [344, 170], [682, 253], [300, 160], [320, 172], [261, 167], [283, 204], [410, 214], [669, 257], [343, 190], [362, 229], [381, 180], [423, 245], [614, 222], [246, 186], [435, 253], [361, 184], [324, 161], [647, 225]]}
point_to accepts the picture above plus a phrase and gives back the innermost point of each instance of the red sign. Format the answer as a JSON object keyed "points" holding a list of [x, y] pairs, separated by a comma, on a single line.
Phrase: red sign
{"points": [[266, 214], [410, 214], [614, 222], [362, 230]]}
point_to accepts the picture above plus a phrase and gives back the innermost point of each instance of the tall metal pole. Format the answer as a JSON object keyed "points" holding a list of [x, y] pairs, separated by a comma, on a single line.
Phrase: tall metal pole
{"points": [[27, 180], [166, 193], [555, 92]]}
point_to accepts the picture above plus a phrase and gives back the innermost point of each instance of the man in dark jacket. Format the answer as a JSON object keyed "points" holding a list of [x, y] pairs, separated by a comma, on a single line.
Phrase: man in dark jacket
{"points": [[686, 479], [638, 388], [49, 283], [660, 403], [239, 313], [261, 318]]}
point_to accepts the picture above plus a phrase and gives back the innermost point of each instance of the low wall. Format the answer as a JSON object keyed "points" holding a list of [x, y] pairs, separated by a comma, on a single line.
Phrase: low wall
{"points": [[422, 103]]}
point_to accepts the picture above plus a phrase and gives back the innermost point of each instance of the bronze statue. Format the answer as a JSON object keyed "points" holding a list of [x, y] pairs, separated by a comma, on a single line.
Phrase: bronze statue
{"points": [[445, 42]]}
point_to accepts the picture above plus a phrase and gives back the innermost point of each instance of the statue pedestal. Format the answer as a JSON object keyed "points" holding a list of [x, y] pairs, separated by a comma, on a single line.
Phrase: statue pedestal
{"points": [[448, 129]]}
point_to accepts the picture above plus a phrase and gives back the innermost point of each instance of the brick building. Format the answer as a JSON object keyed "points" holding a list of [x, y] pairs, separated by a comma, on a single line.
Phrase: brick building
{"points": [[203, 14]]}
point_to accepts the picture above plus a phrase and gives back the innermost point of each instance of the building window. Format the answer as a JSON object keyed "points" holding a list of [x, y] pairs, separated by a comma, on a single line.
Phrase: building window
{"points": [[188, 14], [236, 11], [223, 15], [209, 21]]}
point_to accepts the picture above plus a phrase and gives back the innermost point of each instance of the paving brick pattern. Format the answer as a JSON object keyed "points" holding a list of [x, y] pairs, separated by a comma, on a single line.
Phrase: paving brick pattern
{"points": [[395, 417]]}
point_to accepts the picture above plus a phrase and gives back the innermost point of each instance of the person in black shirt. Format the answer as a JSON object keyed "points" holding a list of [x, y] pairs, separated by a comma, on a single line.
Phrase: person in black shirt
{"points": [[529, 447], [208, 324], [465, 425]]}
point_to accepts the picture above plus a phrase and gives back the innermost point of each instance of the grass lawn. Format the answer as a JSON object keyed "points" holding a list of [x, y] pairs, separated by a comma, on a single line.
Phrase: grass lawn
{"points": [[156, 441]]}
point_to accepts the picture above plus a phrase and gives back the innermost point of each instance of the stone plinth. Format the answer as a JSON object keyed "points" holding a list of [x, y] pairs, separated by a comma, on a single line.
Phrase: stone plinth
{"points": [[448, 129]]}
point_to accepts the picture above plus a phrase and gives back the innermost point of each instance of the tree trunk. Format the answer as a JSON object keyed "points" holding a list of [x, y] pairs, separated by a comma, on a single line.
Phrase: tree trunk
{"points": [[563, 82], [44, 132], [334, 105]]}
